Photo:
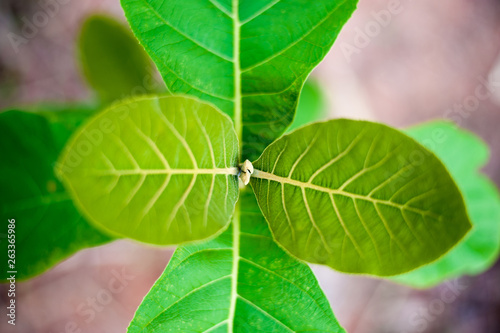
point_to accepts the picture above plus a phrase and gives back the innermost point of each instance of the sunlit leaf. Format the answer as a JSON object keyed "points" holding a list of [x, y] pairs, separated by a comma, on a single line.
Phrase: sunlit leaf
{"points": [[463, 154], [360, 197], [249, 58], [239, 282], [48, 226], [158, 170]]}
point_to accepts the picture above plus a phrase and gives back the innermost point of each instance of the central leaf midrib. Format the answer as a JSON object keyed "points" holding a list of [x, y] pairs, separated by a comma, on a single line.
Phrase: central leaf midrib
{"points": [[234, 269], [237, 118], [236, 295], [197, 171], [287, 180]]}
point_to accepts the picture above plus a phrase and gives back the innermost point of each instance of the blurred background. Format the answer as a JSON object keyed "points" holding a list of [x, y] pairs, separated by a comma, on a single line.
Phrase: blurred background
{"points": [[397, 62]]}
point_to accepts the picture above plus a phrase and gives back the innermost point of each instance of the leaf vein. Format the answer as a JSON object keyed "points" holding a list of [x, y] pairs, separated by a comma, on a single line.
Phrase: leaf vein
{"points": [[315, 226], [185, 296], [300, 184], [176, 133], [197, 43], [260, 11], [264, 312], [291, 44], [338, 157], [342, 223], [181, 202]]}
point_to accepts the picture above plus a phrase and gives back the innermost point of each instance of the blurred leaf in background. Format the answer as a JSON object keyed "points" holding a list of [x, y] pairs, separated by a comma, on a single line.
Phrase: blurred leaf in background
{"points": [[463, 154], [113, 62], [48, 226], [312, 105]]}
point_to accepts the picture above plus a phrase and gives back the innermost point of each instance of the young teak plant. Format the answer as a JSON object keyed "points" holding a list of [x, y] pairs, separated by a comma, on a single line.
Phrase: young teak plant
{"points": [[209, 168], [359, 197], [348, 194]]}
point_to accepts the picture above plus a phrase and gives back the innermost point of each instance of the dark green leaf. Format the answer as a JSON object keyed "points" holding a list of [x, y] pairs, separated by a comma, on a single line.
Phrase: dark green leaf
{"points": [[249, 58], [239, 282], [48, 226]]}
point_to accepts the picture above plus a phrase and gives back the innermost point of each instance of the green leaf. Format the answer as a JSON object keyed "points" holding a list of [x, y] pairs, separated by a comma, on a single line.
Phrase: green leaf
{"points": [[359, 197], [463, 154], [312, 105], [158, 170], [249, 58], [112, 60], [239, 282], [48, 226]]}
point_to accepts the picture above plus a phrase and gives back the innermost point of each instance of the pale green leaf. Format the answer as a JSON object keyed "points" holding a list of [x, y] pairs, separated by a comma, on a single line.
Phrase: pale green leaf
{"points": [[360, 197], [312, 105], [239, 282], [463, 154], [113, 62], [158, 170], [48, 226], [249, 58]]}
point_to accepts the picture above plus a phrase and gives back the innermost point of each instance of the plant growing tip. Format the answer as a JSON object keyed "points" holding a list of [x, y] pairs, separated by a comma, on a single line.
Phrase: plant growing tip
{"points": [[246, 171]]}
